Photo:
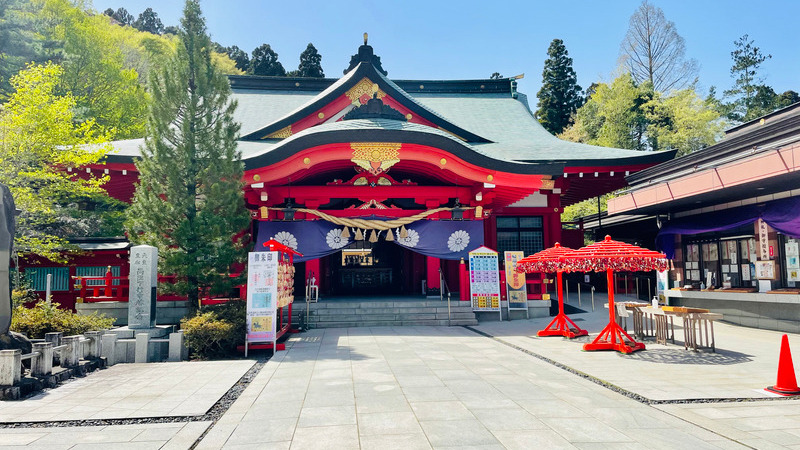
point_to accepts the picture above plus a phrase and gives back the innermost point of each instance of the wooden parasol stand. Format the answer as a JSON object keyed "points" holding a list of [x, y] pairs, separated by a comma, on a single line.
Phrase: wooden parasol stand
{"points": [[611, 256], [549, 261]]}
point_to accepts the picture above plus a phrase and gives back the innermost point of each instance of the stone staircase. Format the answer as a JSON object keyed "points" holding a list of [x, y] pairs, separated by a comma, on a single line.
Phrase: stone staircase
{"points": [[378, 313]]}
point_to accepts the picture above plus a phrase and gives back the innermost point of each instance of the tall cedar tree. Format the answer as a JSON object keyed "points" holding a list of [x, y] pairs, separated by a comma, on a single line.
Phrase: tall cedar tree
{"points": [[189, 200], [265, 62], [310, 63], [560, 95]]}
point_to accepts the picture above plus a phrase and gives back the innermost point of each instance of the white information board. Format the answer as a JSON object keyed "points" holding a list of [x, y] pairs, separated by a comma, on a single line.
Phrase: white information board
{"points": [[484, 280], [262, 297]]}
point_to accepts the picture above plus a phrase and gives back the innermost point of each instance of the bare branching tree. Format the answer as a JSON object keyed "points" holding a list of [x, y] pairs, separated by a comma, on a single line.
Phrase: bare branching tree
{"points": [[654, 51]]}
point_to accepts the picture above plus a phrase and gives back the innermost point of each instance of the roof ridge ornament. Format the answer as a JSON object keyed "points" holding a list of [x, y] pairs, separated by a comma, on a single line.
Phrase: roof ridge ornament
{"points": [[366, 54]]}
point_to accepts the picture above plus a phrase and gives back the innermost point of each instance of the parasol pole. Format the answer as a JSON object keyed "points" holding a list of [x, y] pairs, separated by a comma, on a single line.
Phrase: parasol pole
{"points": [[611, 311], [560, 292]]}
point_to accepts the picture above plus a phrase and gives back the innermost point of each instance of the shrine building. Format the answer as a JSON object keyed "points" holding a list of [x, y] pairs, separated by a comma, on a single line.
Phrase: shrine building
{"points": [[385, 185]]}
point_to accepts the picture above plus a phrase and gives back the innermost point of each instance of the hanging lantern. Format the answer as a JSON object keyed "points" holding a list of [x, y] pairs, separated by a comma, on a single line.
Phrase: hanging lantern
{"points": [[389, 235], [345, 233], [403, 232], [373, 237], [359, 235]]}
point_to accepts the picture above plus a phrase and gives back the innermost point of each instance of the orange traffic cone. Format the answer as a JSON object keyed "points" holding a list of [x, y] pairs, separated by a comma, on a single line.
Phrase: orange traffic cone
{"points": [[787, 382]]}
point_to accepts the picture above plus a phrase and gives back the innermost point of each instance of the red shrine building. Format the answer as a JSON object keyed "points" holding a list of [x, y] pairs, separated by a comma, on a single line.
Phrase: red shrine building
{"points": [[385, 185]]}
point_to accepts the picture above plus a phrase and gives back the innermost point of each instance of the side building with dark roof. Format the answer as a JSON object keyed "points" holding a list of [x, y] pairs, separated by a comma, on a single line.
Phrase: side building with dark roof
{"points": [[386, 185], [729, 218]]}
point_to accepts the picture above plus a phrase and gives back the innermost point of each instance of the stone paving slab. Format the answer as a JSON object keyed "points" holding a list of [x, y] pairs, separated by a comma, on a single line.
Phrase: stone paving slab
{"points": [[132, 391], [745, 361], [167, 436], [437, 387]]}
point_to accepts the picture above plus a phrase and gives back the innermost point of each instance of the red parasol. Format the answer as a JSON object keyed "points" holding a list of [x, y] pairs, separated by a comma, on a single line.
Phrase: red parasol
{"points": [[549, 261], [611, 256]]}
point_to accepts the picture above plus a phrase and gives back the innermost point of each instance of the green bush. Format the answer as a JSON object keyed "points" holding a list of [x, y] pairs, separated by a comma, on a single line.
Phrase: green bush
{"points": [[21, 296], [216, 330], [206, 335], [47, 317]]}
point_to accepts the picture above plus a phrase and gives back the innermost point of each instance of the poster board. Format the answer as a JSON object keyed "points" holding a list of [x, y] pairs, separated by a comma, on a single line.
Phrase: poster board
{"points": [[765, 270], [262, 297], [516, 290], [662, 284], [484, 280]]}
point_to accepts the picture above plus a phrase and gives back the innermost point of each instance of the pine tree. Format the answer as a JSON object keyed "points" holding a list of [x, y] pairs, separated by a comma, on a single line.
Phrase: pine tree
{"points": [[189, 200], [748, 84], [310, 63], [148, 21], [560, 95]]}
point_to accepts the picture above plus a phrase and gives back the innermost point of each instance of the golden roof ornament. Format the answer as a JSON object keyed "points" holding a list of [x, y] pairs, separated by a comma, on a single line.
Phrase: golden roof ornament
{"points": [[365, 38]]}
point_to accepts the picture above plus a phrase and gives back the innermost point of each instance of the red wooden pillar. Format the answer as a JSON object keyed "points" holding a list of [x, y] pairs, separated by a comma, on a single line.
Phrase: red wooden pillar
{"points": [[434, 287], [463, 281]]}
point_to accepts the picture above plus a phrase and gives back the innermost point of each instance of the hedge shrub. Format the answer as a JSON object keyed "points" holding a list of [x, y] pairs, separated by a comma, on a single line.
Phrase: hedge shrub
{"points": [[48, 317], [216, 330]]}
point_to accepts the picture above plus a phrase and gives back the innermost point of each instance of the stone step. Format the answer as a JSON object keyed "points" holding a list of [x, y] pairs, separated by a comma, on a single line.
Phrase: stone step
{"points": [[370, 323]]}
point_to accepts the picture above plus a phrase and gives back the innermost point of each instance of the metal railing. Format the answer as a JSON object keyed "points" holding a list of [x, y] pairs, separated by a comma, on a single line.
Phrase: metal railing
{"points": [[579, 284]]}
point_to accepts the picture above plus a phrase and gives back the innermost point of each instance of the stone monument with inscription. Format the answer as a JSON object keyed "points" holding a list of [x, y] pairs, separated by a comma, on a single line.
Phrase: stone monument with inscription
{"points": [[142, 290]]}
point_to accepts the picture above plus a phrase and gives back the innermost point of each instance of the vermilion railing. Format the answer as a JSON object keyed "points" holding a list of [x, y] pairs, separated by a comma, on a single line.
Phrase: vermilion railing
{"points": [[116, 289]]}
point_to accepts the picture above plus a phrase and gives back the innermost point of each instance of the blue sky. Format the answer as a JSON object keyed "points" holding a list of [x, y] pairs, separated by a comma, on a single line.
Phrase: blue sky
{"points": [[471, 39]]}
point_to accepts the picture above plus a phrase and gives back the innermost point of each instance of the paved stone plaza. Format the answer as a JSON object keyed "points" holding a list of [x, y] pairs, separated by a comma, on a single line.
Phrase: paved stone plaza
{"points": [[436, 387]]}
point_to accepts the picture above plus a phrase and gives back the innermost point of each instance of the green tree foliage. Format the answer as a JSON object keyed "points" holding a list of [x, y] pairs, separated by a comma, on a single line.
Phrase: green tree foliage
{"points": [[264, 61], [748, 92], [560, 95], [39, 140], [238, 56], [310, 63], [189, 200], [626, 115], [20, 44], [149, 22], [682, 121], [613, 116], [97, 70], [121, 16], [654, 51]]}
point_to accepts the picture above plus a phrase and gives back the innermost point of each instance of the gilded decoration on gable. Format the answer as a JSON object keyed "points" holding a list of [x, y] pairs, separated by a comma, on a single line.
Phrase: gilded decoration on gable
{"points": [[548, 184], [375, 157], [362, 88], [281, 134]]}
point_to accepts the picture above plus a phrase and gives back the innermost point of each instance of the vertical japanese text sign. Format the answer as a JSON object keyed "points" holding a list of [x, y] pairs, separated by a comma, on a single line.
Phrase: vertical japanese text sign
{"points": [[142, 289], [516, 291], [262, 296], [763, 239]]}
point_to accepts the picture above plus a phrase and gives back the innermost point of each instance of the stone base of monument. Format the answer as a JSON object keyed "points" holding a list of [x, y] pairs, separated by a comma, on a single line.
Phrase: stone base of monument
{"points": [[168, 313], [156, 347]]}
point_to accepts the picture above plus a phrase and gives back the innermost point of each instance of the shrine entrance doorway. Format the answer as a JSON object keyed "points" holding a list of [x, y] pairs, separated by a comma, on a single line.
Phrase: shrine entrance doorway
{"points": [[367, 268]]}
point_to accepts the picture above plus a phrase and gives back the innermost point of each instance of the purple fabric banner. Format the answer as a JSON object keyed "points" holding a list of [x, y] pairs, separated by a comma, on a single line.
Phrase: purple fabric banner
{"points": [[445, 239], [782, 215]]}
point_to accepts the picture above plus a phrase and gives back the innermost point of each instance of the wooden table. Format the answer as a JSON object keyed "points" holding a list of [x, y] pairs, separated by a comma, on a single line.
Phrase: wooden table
{"points": [[662, 324], [696, 323]]}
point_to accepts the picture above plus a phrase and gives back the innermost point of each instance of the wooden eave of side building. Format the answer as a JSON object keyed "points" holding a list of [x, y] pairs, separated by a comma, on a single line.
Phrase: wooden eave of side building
{"points": [[758, 165]]}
